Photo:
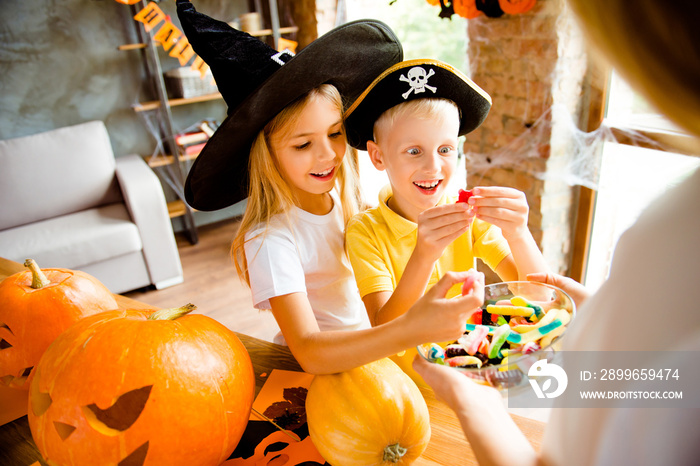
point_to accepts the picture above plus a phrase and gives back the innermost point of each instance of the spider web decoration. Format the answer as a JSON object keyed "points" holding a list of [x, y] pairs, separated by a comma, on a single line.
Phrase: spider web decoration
{"points": [[582, 166]]}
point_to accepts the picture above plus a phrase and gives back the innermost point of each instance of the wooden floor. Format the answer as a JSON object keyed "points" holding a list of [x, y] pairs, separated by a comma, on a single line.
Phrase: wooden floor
{"points": [[211, 283]]}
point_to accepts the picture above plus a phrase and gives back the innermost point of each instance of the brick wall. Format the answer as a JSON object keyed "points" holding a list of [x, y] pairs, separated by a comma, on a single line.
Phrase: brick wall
{"points": [[532, 65]]}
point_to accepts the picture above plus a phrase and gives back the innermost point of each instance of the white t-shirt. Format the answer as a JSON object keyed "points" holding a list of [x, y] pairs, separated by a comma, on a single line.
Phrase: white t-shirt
{"points": [[304, 253], [650, 302]]}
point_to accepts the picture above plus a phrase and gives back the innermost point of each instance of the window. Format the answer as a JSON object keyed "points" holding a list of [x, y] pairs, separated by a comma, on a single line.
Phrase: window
{"points": [[633, 173]]}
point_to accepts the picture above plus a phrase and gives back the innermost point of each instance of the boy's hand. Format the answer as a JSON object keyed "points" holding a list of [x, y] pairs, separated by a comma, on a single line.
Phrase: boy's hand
{"points": [[436, 318], [504, 207], [439, 226]]}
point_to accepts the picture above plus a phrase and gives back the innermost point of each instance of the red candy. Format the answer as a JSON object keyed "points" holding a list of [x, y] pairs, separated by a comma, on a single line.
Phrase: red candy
{"points": [[475, 318], [464, 195], [468, 284]]}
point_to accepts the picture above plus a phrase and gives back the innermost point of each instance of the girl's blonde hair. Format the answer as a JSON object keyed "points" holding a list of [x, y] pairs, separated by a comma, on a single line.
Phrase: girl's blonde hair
{"points": [[427, 109], [269, 193]]}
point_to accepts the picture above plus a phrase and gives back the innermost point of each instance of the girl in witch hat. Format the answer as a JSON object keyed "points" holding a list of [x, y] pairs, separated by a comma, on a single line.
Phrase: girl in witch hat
{"points": [[283, 147]]}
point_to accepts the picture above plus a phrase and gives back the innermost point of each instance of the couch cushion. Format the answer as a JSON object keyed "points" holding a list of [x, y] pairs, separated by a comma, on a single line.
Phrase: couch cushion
{"points": [[73, 240], [70, 169]]}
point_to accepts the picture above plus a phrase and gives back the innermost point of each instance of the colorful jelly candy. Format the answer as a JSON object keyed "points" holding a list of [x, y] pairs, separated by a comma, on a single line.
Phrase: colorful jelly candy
{"points": [[502, 330], [471, 341], [464, 195], [510, 310], [455, 349], [499, 338], [520, 301], [435, 351], [463, 361]]}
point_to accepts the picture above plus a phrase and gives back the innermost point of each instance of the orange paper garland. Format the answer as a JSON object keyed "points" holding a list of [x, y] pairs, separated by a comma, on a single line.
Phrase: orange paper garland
{"points": [[169, 36]]}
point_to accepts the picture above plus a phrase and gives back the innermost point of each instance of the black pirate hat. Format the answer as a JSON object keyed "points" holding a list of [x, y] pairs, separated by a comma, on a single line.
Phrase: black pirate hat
{"points": [[415, 79], [257, 82]]}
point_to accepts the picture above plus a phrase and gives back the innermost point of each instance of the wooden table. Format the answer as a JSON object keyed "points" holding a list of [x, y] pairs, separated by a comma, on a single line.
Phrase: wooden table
{"points": [[447, 445]]}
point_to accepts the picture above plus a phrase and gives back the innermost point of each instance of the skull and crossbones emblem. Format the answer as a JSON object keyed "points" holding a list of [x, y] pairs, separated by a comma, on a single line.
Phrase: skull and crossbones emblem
{"points": [[418, 79]]}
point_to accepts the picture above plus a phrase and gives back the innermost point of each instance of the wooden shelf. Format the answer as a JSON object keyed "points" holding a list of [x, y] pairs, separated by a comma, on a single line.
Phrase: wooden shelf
{"points": [[176, 209], [268, 32], [132, 46], [155, 161], [152, 105]]}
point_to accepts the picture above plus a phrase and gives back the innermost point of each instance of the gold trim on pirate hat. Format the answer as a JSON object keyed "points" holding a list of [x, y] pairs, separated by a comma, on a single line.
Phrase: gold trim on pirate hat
{"points": [[257, 82], [415, 79]]}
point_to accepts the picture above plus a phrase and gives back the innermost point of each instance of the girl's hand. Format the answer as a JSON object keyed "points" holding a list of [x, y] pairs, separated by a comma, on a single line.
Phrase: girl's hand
{"points": [[436, 318], [504, 207], [438, 227]]}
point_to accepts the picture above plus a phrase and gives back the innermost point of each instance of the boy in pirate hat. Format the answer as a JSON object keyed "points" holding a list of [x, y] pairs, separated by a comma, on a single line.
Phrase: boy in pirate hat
{"points": [[283, 147], [409, 121]]}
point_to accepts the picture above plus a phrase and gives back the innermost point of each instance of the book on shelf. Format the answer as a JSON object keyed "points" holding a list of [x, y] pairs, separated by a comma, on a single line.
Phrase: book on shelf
{"points": [[185, 139], [206, 127], [194, 148]]}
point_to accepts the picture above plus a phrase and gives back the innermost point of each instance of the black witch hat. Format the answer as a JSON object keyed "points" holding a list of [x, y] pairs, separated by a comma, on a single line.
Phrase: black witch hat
{"points": [[257, 82]]}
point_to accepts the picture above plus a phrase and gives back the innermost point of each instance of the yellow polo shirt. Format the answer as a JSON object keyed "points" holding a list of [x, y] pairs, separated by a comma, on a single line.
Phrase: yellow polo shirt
{"points": [[380, 242]]}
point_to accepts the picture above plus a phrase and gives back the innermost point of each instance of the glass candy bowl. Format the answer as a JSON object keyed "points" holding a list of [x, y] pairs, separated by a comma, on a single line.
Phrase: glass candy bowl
{"points": [[528, 317]]}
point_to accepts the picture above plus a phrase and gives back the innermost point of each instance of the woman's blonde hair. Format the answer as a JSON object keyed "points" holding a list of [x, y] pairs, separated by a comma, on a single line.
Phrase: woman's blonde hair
{"points": [[269, 193], [655, 46]]}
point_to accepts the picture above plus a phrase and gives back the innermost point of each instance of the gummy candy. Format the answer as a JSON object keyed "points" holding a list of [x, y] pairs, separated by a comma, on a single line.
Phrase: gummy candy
{"points": [[463, 361], [464, 195], [498, 339], [510, 310], [471, 341], [521, 328]]}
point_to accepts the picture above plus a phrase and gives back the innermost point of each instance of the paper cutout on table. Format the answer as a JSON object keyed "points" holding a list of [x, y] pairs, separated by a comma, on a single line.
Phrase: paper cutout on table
{"points": [[281, 399], [273, 389]]}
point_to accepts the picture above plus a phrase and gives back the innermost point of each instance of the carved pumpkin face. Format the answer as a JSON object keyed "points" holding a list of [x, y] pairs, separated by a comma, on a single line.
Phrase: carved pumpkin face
{"points": [[117, 388], [36, 309]]}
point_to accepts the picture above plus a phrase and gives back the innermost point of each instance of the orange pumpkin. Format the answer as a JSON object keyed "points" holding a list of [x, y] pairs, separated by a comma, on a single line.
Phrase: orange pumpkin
{"points": [[466, 8], [37, 305], [142, 388], [371, 415], [514, 7]]}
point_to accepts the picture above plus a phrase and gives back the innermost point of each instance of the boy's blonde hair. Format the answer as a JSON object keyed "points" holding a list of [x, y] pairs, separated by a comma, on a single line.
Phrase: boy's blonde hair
{"points": [[269, 193], [426, 109]]}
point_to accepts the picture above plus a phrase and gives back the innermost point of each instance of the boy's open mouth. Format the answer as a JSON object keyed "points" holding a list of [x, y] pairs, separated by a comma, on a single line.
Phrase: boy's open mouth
{"points": [[427, 187]]}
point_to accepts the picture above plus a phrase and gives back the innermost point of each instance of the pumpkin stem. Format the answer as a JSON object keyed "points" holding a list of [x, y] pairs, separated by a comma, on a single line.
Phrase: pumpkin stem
{"points": [[393, 453], [173, 313], [39, 280]]}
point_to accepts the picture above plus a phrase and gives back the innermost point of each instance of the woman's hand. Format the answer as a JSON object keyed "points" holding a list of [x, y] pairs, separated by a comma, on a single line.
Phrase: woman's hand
{"points": [[578, 292]]}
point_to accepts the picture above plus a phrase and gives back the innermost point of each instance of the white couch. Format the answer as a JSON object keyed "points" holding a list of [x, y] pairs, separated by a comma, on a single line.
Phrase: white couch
{"points": [[67, 202]]}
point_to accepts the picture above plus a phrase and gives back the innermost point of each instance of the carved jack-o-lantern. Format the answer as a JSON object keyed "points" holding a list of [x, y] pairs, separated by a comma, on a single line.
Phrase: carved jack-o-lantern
{"points": [[37, 305], [137, 387]]}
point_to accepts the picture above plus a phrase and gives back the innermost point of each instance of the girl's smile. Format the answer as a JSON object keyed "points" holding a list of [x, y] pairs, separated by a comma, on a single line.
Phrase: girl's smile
{"points": [[310, 153], [325, 175]]}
